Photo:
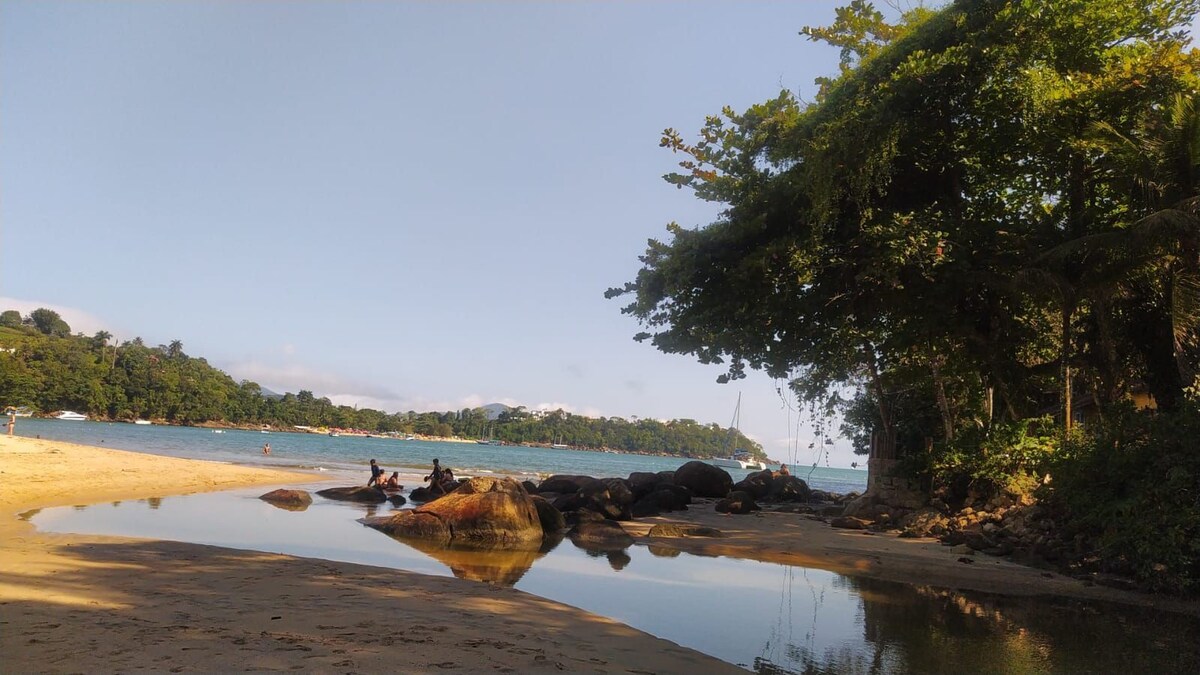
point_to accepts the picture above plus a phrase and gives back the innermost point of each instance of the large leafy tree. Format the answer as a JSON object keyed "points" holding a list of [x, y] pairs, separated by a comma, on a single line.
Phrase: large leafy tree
{"points": [[888, 234]]}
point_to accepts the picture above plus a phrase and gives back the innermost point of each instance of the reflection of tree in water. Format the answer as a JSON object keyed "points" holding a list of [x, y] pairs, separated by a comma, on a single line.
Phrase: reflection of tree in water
{"points": [[921, 629]]}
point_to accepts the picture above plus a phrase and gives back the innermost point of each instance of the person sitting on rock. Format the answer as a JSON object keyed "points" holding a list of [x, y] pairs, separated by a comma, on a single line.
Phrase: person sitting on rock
{"points": [[436, 478], [448, 482], [783, 470], [394, 480]]}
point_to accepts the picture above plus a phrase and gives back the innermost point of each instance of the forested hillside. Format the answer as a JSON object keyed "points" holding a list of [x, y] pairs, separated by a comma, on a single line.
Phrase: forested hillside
{"points": [[44, 367]]}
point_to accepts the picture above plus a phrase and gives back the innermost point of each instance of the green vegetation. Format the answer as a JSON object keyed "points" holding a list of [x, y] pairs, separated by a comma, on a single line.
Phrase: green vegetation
{"points": [[989, 216], [47, 369]]}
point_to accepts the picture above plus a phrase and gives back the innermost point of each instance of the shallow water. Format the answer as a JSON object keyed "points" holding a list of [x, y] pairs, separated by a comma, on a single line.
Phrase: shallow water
{"points": [[348, 455], [762, 616]]}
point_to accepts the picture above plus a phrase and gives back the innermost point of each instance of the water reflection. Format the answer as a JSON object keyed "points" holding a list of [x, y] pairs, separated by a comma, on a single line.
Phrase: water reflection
{"points": [[500, 566], [923, 629], [765, 617], [154, 502]]}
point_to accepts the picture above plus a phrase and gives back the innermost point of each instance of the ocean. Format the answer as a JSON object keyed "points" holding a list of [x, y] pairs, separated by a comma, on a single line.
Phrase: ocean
{"points": [[349, 455]]}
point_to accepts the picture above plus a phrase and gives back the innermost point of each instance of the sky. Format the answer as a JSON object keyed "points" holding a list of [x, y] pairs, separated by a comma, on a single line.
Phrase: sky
{"points": [[398, 205]]}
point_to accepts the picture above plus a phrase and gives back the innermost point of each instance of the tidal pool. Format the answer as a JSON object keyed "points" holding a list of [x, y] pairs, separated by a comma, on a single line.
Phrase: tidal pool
{"points": [[765, 617]]}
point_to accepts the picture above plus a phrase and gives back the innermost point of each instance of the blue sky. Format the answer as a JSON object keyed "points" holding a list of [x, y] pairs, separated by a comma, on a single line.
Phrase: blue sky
{"points": [[396, 205]]}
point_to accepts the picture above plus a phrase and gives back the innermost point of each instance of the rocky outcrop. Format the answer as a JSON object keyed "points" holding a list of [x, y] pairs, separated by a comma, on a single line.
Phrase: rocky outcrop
{"points": [[357, 493], [850, 523], [290, 500], [704, 479], [482, 511]]}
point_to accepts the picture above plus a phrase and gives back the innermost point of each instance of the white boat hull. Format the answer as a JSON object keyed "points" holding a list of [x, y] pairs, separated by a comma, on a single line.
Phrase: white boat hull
{"points": [[69, 415], [731, 463]]}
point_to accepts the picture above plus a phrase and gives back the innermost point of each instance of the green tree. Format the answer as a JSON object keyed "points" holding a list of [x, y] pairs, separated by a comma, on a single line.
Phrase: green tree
{"points": [[48, 322], [11, 318]]}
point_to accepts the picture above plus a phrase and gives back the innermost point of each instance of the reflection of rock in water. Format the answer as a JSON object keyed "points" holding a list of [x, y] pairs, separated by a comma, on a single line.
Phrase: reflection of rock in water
{"points": [[663, 551], [154, 502], [503, 567], [921, 629], [618, 560]]}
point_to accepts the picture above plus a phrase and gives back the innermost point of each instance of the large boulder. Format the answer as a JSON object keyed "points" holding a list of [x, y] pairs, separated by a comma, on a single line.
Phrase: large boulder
{"points": [[599, 497], [666, 498], [757, 484], [357, 493], [619, 491], [550, 517], [482, 511], [642, 483], [566, 484], [704, 479], [788, 489], [290, 500]]}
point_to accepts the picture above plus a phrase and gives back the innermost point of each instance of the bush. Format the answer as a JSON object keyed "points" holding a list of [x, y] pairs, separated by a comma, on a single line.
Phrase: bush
{"points": [[1010, 457], [1132, 490]]}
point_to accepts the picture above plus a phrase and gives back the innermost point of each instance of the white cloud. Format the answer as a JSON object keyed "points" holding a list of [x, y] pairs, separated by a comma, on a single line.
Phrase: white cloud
{"points": [[79, 320]]}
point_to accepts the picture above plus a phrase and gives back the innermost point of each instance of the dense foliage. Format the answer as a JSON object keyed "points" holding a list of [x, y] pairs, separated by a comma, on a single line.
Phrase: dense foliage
{"points": [[45, 368], [1131, 491], [990, 215]]}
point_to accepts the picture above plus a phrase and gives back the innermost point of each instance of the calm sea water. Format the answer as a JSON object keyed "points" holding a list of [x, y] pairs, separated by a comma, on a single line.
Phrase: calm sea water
{"points": [[765, 617], [349, 455]]}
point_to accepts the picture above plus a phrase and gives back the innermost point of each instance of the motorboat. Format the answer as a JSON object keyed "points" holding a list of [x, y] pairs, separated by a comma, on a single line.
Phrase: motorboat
{"points": [[143, 422], [70, 415]]}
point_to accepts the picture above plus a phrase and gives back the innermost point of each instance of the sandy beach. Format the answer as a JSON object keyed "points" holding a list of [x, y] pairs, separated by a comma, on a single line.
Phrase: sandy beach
{"points": [[71, 603], [75, 602]]}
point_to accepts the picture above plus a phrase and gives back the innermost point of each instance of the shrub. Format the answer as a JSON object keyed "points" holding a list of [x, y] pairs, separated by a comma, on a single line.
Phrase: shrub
{"points": [[1131, 488]]}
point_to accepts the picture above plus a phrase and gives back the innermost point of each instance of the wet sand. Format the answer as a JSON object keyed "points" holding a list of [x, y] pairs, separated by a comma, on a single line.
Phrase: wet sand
{"points": [[807, 541], [71, 603]]}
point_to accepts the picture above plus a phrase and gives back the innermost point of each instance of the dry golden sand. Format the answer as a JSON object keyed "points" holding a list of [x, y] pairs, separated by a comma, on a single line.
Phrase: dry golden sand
{"points": [[72, 603]]}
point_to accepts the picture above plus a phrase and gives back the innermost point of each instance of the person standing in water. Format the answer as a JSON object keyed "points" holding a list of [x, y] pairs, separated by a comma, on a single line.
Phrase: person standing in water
{"points": [[376, 475], [266, 448]]}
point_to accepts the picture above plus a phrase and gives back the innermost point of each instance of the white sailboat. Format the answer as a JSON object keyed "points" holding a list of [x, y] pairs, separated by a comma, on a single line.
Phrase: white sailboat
{"points": [[738, 459]]}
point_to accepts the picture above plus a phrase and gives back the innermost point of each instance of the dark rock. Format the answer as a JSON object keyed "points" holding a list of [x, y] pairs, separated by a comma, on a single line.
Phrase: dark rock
{"points": [[550, 517], [819, 496], [642, 483], [290, 500], [788, 489], [569, 502], [603, 535], [358, 493], [704, 479], [737, 502], [677, 530], [665, 499], [530, 487], [397, 499], [599, 498], [618, 490], [577, 516], [565, 484], [757, 484], [663, 551]]}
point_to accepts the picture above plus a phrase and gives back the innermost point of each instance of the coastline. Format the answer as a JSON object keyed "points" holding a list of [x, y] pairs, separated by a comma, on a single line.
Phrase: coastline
{"points": [[104, 604]]}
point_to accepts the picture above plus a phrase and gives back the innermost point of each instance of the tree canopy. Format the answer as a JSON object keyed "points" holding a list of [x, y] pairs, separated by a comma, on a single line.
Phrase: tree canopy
{"points": [[990, 212]]}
